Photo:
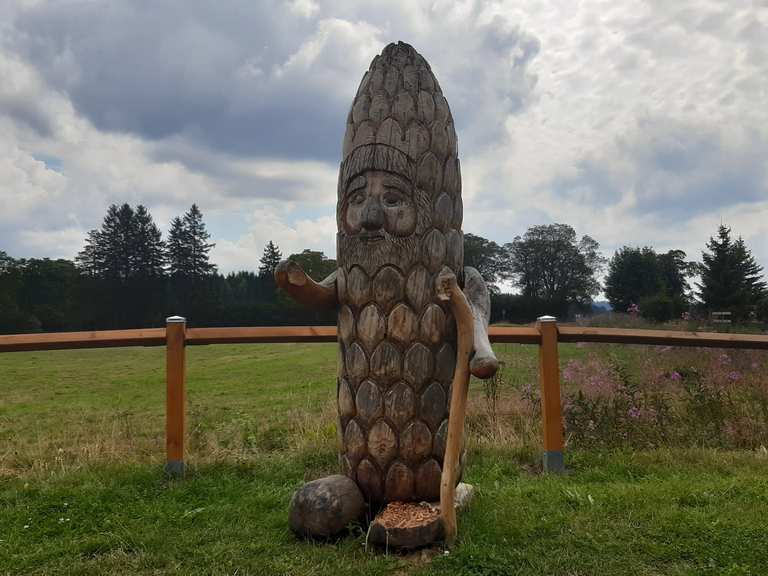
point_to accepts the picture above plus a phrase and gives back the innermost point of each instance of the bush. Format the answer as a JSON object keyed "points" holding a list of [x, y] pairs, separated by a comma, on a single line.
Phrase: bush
{"points": [[659, 308]]}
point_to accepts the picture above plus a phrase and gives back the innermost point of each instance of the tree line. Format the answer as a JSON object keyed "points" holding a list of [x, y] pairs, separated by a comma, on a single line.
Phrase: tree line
{"points": [[557, 273], [128, 276]]}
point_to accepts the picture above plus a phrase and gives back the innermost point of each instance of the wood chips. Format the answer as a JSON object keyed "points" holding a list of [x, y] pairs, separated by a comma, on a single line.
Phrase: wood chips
{"points": [[408, 515]]}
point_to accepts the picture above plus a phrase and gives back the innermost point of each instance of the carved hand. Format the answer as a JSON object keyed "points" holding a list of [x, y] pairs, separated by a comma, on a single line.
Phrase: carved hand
{"points": [[290, 277], [484, 363]]}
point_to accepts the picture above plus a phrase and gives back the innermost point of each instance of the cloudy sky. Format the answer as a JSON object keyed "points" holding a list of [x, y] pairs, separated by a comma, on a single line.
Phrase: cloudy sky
{"points": [[637, 122]]}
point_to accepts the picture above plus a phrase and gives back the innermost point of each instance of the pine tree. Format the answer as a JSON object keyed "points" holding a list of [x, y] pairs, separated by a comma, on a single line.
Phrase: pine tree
{"points": [[177, 251], [730, 277], [89, 260], [108, 252], [124, 261], [188, 246], [149, 251], [751, 272], [117, 235], [198, 247], [269, 260]]}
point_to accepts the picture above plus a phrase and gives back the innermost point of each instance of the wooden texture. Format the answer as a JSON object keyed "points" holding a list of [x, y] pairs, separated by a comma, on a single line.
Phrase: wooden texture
{"points": [[261, 335], [398, 227], [290, 277], [663, 337], [391, 322], [318, 334], [549, 376], [450, 291], [484, 363], [175, 413], [75, 340]]}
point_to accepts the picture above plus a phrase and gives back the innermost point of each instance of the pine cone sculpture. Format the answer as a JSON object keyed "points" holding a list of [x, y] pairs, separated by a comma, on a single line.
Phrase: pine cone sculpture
{"points": [[399, 219]]}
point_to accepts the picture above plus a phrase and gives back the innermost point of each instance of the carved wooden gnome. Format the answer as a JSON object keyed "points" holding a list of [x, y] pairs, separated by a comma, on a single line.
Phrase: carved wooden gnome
{"points": [[399, 217]]}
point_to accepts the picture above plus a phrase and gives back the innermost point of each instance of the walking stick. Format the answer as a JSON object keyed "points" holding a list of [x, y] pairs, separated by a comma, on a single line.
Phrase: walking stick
{"points": [[448, 289]]}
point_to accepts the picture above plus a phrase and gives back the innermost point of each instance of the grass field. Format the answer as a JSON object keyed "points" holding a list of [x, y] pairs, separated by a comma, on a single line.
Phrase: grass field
{"points": [[82, 489]]}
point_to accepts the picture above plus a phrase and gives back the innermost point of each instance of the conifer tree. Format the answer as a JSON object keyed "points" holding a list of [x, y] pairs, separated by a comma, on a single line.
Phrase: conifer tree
{"points": [[89, 260], [149, 251], [269, 260], [730, 277], [188, 246], [177, 245], [197, 241], [751, 271], [108, 251], [128, 245]]}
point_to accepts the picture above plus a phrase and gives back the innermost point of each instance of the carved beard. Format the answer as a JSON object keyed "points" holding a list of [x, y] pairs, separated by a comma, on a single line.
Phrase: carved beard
{"points": [[398, 251]]}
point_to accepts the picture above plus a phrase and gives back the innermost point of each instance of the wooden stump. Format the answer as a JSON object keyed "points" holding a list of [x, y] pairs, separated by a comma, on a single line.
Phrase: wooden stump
{"points": [[406, 526]]}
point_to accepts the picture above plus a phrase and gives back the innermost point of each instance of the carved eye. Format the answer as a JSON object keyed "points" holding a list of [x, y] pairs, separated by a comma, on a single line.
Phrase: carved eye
{"points": [[393, 198], [357, 198]]}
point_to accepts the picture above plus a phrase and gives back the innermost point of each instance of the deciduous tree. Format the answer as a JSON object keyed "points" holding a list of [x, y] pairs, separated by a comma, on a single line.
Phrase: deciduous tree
{"points": [[490, 259], [550, 264], [637, 275]]}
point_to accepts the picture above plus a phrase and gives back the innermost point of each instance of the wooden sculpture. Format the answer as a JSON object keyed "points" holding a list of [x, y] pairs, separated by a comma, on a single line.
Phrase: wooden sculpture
{"points": [[399, 216]]}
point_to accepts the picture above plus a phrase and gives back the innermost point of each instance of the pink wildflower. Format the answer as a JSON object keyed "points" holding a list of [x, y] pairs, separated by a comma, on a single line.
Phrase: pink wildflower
{"points": [[733, 376], [675, 376], [571, 371], [634, 412]]}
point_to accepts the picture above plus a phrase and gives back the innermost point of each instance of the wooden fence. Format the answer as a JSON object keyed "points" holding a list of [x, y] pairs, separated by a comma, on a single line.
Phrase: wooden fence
{"points": [[546, 334]]}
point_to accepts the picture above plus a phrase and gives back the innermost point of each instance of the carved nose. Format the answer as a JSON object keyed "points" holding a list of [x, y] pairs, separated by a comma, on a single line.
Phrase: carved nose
{"points": [[373, 215]]}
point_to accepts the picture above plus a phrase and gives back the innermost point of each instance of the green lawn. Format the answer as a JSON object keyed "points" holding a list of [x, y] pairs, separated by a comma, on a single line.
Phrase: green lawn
{"points": [[82, 489]]}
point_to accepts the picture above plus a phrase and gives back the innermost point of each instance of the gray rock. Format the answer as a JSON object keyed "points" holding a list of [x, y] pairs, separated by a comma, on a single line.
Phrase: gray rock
{"points": [[325, 507]]}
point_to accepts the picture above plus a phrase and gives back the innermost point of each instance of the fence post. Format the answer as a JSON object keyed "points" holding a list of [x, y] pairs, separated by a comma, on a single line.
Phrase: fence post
{"points": [[175, 393], [549, 378]]}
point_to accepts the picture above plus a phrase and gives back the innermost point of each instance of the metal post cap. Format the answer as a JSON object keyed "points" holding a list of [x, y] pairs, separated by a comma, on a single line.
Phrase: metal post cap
{"points": [[547, 319], [175, 319]]}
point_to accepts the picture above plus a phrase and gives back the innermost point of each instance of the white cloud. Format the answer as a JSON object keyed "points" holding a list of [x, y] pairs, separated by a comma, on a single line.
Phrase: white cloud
{"points": [[636, 123], [305, 8], [268, 224]]}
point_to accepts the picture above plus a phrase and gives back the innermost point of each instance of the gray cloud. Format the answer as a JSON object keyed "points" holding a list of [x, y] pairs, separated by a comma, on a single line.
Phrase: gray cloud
{"points": [[633, 122], [260, 79], [183, 68], [674, 171]]}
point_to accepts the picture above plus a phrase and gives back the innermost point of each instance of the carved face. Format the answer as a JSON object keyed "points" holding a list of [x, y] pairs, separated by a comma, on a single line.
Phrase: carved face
{"points": [[378, 202]]}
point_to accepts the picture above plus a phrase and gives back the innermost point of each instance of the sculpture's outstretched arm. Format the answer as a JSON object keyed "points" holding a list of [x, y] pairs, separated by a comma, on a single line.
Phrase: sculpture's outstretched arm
{"points": [[484, 363], [291, 278]]}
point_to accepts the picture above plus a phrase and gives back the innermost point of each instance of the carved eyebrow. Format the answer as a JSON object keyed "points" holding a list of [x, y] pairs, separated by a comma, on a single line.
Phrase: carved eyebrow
{"points": [[357, 183], [395, 181]]}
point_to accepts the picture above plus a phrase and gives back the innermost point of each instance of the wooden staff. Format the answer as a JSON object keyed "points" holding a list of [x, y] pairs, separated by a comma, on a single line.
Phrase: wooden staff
{"points": [[448, 289]]}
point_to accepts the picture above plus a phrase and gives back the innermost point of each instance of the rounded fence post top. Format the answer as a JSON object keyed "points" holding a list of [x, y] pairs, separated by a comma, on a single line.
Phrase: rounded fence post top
{"points": [[547, 319], [174, 319]]}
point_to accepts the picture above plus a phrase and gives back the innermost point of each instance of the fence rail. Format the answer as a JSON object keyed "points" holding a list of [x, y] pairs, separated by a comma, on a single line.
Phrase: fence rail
{"points": [[546, 334]]}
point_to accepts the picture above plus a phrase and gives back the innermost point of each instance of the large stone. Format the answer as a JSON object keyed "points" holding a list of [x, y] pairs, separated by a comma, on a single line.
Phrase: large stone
{"points": [[325, 507]]}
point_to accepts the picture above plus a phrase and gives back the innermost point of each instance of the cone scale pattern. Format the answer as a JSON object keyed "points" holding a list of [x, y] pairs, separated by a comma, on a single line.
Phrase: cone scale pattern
{"points": [[397, 340]]}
